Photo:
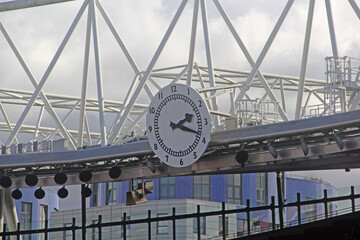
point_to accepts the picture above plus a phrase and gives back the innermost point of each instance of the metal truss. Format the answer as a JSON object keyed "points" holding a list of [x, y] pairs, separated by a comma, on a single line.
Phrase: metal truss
{"points": [[228, 92], [236, 98]]}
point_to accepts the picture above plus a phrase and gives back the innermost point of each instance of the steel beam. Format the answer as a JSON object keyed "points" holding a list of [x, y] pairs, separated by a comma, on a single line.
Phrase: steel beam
{"points": [[21, 4]]}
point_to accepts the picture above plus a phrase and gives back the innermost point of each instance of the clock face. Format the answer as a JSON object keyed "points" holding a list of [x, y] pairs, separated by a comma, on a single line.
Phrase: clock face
{"points": [[178, 125]]}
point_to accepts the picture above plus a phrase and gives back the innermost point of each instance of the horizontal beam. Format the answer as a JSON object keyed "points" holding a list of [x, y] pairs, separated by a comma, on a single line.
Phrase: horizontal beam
{"points": [[21, 4], [287, 129]]}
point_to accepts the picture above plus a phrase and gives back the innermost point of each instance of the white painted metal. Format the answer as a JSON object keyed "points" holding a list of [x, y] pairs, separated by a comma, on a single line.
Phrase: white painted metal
{"points": [[44, 78], [127, 117], [98, 74], [84, 82], [209, 61], [20, 4], [147, 72], [304, 59], [192, 42]]}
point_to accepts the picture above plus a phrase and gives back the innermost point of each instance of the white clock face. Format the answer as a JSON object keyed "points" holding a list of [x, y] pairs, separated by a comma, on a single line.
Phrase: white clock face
{"points": [[178, 125]]}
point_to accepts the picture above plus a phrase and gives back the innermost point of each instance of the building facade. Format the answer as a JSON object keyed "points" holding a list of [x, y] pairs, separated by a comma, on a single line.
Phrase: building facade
{"points": [[185, 193], [32, 213]]}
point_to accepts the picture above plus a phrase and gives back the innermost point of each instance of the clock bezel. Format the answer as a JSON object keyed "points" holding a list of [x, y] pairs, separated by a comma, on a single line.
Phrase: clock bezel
{"points": [[186, 97]]}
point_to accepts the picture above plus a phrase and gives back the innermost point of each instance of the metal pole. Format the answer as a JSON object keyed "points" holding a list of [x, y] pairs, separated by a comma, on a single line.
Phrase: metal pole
{"points": [[83, 213], [98, 74], [223, 220], [304, 59], [355, 7], [174, 226], [273, 219], [198, 223], [192, 42], [99, 227], [209, 60], [298, 208], [326, 204], [15, 5], [280, 200], [149, 220], [84, 81], [248, 216], [73, 229]]}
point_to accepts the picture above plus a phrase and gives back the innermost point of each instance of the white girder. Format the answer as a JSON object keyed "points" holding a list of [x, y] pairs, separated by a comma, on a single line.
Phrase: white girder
{"points": [[117, 119]]}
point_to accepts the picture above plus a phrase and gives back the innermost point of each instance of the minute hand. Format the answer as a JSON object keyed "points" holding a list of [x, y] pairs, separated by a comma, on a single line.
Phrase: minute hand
{"points": [[184, 128]]}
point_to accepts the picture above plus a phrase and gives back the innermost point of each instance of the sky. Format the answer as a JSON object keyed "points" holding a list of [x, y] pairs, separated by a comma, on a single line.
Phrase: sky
{"points": [[38, 32]]}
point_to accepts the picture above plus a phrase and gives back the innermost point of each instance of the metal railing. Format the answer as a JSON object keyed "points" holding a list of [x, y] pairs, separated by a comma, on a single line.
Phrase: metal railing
{"points": [[273, 209]]}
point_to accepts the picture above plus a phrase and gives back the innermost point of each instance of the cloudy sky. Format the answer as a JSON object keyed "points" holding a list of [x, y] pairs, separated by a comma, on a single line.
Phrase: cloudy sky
{"points": [[38, 32]]}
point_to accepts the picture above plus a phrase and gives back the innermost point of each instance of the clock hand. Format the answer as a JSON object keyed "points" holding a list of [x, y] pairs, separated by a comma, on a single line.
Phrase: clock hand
{"points": [[187, 118], [184, 128]]}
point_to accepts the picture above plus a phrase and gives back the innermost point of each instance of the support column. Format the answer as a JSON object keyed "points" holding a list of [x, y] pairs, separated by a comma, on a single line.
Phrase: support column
{"points": [[280, 199], [10, 211], [2, 208]]}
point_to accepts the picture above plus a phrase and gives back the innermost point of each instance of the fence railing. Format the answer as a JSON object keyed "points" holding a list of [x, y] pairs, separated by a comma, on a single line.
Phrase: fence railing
{"points": [[273, 225]]}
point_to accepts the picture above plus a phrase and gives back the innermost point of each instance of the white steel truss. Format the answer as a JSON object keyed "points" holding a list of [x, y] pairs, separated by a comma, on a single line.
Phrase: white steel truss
{"points": [[226, 91]]}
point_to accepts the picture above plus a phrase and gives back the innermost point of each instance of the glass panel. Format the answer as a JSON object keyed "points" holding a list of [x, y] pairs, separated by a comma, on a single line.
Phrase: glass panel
{"points": [[237, 179], [238, 202], [197, 191], [197, 179], [171, 191], [205, 179], [171, 180], [230, 192], [205, 191], [164, 180], [230, 179], [163, 191], [237, 192]]}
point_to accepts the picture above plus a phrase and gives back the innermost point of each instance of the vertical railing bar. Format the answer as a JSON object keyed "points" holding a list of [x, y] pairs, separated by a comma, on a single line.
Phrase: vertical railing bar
{"points": [[18, 231], [174, 226], [273, 219], [223, 220], [99, 226], [4, 231], [124, 225], [298, 205], [326, 204], [198, 223], [149, 224], [46, 229], [352, 198], [73, 228], [248, 215]]}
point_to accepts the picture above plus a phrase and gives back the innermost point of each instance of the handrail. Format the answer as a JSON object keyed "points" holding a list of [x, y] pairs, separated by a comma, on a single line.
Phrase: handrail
{"points": [[223, 212]]}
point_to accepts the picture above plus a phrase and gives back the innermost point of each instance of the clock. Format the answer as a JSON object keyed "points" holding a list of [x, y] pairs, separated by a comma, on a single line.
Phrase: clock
{"points": [[178, 125]]}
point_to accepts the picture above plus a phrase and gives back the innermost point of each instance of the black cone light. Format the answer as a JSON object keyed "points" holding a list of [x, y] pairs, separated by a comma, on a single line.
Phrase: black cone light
{"points": [[339, 141], [39, 193], [31, 180], [272, 151], [85, 176], [150, 165], [16, 194], [5, 182], [63, 192], [60, 178], [304, 146], [86, 192], [242, 157], [115, 172]]}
